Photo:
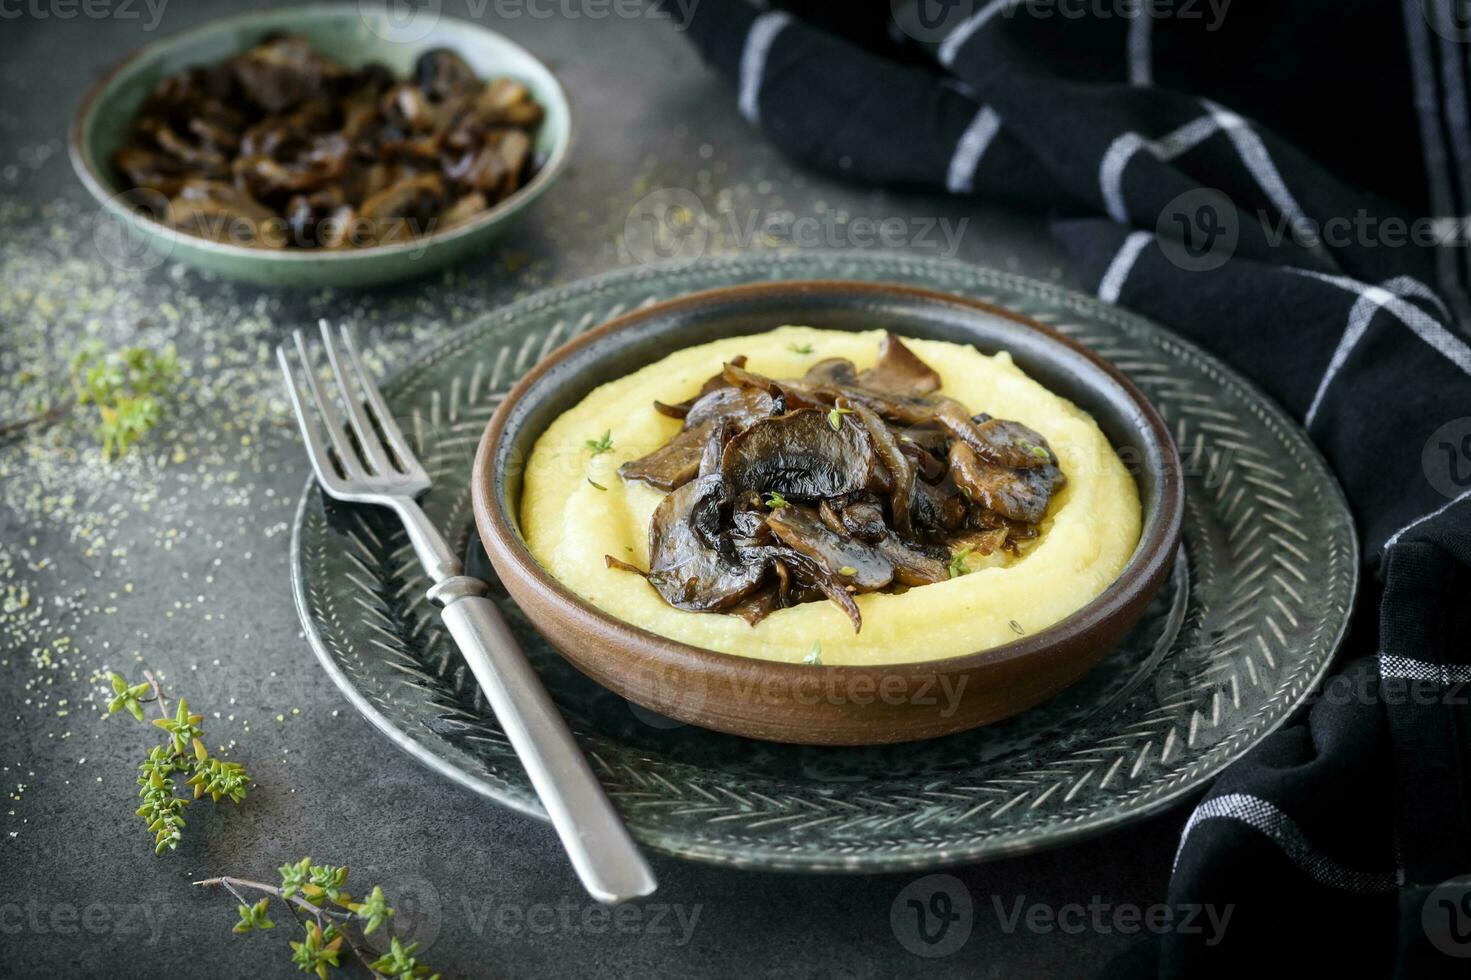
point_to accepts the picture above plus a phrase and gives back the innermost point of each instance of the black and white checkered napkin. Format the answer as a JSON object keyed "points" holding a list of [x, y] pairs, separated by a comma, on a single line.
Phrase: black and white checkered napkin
{"points": [[1286, 185]]}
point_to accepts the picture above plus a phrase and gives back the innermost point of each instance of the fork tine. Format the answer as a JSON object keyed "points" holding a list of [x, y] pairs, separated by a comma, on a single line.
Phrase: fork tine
{"points": [[372, 449], [316, 450], [352, 468], [391, 432]]}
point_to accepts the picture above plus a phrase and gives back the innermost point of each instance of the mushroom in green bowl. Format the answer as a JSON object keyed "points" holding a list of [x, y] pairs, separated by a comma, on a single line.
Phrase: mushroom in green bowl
{"points": [[319, 146]]}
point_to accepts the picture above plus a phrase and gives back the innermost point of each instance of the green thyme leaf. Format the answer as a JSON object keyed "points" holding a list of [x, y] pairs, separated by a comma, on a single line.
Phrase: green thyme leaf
{"points": [[126, 387], [161, 810], [318, 950], [294, 876], [1016, 628], [328, 879], [1030, 447], [604, 445], [127, 697], [835, 417], [218, 778], [596, 483], [254, 917], [327, 934], [775, 500], [958, 567], [797, 348], [183, 728], [399, 961], [373, 910]]}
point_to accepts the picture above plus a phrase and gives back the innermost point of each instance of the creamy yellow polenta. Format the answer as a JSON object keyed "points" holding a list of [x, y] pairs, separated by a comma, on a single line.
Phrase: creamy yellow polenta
{"points": [[1088, 536]]}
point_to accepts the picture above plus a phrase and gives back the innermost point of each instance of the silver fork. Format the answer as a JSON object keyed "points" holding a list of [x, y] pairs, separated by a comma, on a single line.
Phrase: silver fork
{"points": [[369, 461]]}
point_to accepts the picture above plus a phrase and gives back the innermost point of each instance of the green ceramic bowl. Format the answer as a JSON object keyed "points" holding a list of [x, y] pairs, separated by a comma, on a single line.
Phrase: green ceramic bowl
{"points": [[350, 34]]}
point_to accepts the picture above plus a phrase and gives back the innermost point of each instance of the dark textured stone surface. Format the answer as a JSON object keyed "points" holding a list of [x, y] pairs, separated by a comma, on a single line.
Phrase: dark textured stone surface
{"points": [[81, 892]]}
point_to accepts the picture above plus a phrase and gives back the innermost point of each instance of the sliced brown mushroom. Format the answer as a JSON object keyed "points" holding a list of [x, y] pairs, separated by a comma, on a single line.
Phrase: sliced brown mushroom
{"points": [[812, 578], [462, 211], [266, 179], [848, 560], [983, 543], [1018, 494], [912, 565], [673, 464], [927, 447], [201, 157], [862, 517], [481, 169], [937, 508], [282, 72], [790, 395], [1019, 438], [514, 148], [404, 210], [756, 607], [318, 220], [901, 473], [677, 461], [841, 483], [314, 142], [832, 371], [441, 74], [998, 441], [899, 371], [683, 567], [802, 455], [220, 213], [151, 169], [740, 405]]}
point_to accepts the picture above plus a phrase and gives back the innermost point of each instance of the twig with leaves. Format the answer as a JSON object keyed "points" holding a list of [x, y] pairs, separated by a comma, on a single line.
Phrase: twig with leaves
{"points": [[314, 894], [182, 753], [126, 387], [308, 888]]}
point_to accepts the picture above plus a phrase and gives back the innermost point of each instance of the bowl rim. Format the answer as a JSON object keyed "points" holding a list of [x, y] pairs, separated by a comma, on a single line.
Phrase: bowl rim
{"points": [[1150, 561], [100, 187]]}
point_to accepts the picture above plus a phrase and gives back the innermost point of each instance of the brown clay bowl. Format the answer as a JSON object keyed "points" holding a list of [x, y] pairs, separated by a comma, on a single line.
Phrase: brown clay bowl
{"points": [[813, 704]]}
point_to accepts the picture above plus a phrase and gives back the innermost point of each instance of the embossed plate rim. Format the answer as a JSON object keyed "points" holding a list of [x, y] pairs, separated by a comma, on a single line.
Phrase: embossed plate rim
{"points": [[1143, 801]]}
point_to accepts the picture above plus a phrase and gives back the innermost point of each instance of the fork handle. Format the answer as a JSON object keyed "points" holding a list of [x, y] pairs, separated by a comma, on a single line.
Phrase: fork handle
{"points": [[594, 834]]}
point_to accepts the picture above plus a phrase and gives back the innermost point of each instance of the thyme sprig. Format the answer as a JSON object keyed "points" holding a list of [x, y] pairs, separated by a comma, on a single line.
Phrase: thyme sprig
{"points": [[958, 566], [126, 387], [332, 923], [603, 445], [315, 895], [183, 754]]}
